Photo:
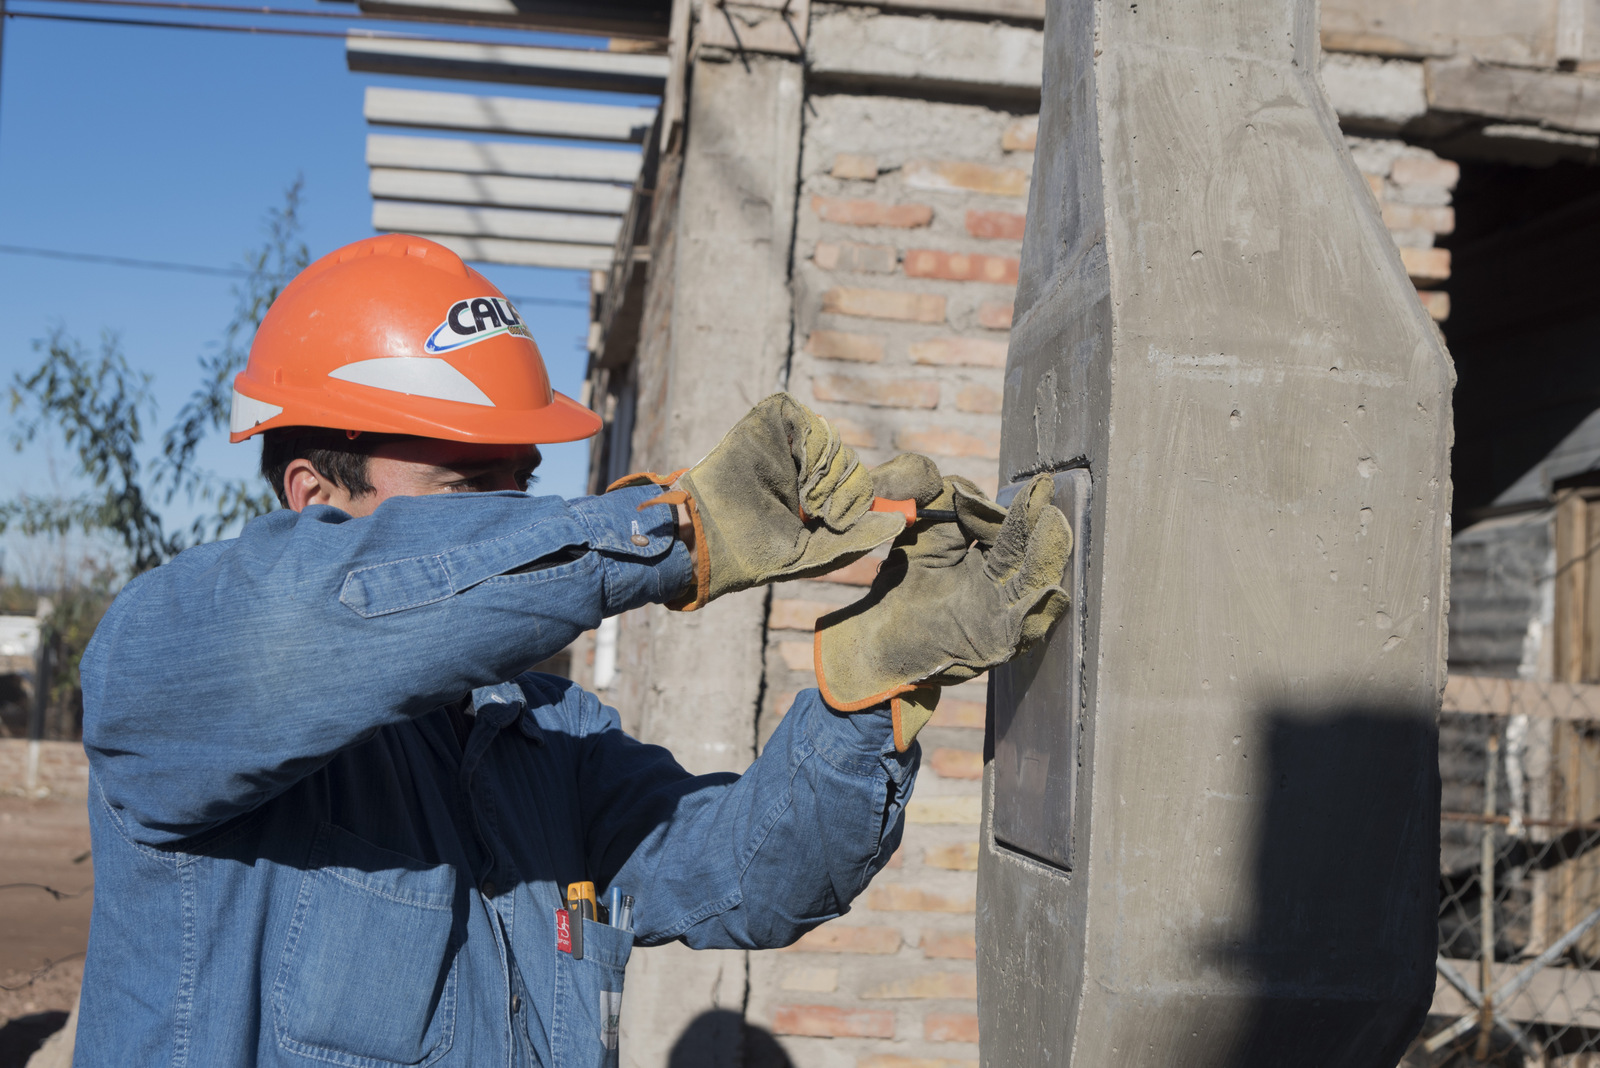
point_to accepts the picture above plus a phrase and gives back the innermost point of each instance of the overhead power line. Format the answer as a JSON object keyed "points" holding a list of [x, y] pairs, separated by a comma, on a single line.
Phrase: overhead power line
{"points": [[167, 24], [229, 272], [302, 13], [123, 261], [277, 12]]}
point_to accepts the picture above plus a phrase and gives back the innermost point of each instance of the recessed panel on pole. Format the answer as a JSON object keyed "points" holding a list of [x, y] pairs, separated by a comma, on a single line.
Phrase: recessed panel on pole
{"points": [[562, 68], [507, 115], [495, 222], [498, 191], [525, 253], [619, 165]]}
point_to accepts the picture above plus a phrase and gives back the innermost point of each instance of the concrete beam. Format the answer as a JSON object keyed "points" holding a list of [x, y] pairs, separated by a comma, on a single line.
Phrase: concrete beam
{"points": [[1521, 33], [523, 253], [714, 340], [497, 191], [621, 19], [1214, 335], [561, 68], [859, 47], [394, 215], [1546, 98], [1374, 93], [1021, 10], [507, 115], [502, 157]]}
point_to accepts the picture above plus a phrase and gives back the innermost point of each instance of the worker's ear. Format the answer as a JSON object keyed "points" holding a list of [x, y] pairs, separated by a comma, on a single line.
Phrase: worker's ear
{"points": [[304, 485]]}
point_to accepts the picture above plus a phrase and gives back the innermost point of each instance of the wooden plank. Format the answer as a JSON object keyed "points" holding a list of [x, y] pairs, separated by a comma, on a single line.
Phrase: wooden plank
{"points": [[1559, 996], [508, 115], [1021, 10], [1591, 596], [503, 157], [1489, 696], [1546, 98], [1572, 580], [561, 68], [498, 191], [524, 253], [626, 19], [394, 215]]}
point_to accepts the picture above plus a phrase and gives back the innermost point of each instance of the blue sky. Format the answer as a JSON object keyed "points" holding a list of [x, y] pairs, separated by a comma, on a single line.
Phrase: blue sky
{"points": [[171, 145]]}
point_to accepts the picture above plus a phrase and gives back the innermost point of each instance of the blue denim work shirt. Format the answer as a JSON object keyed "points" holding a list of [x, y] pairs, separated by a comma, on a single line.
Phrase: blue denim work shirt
{"points": [[298, 862]]}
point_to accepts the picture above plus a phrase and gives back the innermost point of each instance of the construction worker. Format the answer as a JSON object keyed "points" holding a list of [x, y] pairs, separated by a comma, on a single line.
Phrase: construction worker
{"points": [[335, 819]]}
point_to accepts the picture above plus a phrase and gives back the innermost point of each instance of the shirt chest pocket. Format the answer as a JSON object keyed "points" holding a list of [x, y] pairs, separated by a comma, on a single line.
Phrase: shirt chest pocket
{"points": [[589, 998], [367, 978]]}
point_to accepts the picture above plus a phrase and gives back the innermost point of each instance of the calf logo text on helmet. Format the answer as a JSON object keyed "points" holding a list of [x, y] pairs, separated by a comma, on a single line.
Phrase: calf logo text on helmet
{"points": [[471, 321]]}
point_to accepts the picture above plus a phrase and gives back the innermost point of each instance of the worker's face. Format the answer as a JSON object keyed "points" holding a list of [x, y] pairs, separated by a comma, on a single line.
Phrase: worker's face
{"points": [[417, 467]]}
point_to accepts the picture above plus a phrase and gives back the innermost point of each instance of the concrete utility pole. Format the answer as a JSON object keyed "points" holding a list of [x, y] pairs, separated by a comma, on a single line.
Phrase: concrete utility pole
{"points": [[1211, 823]]}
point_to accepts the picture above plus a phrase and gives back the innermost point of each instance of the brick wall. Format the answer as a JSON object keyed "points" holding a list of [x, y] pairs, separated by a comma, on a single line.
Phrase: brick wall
{"points": [[63, 769], [1413, 188], [906, 250]]}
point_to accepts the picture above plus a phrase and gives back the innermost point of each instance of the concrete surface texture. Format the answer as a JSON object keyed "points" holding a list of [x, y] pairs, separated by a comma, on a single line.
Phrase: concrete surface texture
{"points": [[717, 337], [1213, 322]]}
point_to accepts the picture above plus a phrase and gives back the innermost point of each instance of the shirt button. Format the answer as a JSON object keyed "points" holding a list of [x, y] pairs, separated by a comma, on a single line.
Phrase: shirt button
{"points": [[516, 1004], [640, 540], [488, 888]]}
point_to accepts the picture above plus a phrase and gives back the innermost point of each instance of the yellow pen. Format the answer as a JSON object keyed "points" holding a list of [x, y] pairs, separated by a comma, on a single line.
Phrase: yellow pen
{"points": [[581, 905]]}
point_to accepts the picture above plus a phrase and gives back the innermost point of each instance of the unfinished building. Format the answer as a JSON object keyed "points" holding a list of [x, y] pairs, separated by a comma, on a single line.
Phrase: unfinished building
{"points": [[830, 198]]}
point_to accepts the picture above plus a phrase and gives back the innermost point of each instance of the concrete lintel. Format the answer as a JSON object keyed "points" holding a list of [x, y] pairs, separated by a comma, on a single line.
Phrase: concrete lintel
{"points": [[776, 28], [1372, 92], [523, 253], [497, 191], [1523, 33], [596, 230], [1019, 10], [584, 16], [1469, 86], [510, 115], [854, 47], [502, 157], [562, 68]]}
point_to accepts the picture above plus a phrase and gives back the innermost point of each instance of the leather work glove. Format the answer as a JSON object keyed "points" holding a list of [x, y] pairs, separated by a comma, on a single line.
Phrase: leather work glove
{"points": [[953, 600], [782, 497]]}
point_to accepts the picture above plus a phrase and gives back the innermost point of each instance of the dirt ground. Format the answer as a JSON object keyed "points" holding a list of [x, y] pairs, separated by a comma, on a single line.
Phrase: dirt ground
{"points": [[42, 938]]}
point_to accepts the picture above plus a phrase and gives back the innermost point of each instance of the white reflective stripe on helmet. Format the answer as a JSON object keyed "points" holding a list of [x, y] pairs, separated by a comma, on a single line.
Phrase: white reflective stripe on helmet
{"points": [[419, 376], [249, 412]]}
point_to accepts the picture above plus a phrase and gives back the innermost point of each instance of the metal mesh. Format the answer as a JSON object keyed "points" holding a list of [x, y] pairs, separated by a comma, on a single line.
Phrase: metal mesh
{"points": [[1519, 879]]}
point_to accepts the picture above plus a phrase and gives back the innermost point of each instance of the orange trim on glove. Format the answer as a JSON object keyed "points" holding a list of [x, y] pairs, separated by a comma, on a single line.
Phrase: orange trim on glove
{"points": [[645, 478], [891, 695]]}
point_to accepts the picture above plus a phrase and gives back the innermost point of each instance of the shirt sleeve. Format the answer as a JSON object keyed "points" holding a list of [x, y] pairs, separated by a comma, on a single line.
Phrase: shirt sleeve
{"points": [[219, 679], [755, 860]]}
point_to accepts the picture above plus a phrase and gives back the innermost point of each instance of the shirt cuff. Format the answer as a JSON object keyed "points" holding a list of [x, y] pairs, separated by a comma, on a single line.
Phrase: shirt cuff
{"points": [[860, 743], [644, 562]]}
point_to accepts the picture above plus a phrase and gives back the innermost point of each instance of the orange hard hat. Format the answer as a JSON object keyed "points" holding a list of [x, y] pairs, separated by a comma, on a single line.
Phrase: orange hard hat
{"points": [[396, 335]]}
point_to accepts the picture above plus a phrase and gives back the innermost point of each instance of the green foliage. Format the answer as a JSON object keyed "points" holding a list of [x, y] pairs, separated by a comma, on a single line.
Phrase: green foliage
{"points": [[76, 608], [272, 267], [100, 406]]}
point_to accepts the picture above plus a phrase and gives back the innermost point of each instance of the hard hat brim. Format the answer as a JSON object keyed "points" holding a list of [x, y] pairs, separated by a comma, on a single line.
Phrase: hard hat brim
{"points": [[563, 419]]}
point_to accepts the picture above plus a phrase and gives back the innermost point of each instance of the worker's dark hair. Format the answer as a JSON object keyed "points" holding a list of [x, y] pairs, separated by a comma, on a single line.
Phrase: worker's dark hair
{"points": [[337, 457]]}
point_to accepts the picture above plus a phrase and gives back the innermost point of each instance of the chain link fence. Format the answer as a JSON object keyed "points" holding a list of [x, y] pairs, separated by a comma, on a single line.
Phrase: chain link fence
{"points": [[1518, 978]]}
